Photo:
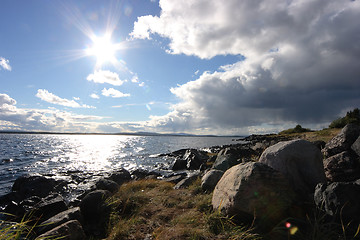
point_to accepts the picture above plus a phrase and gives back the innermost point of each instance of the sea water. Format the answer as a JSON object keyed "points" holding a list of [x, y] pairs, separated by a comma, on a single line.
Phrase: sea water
{"points": [[62, 156]]}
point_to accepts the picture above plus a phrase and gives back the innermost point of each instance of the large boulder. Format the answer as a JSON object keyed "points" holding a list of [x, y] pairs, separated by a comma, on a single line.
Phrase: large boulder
{"points": [[71, 230], [254, 189], [300, 161], [60, 218], [49, 206], [342, 167], [340, 200], [120, 176], [356, 146], [210, 179], [33, 185], [109, 185], [343, 141], [96, 212]]}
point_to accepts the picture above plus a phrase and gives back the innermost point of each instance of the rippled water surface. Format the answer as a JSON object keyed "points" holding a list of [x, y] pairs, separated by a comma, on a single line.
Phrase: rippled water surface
{"points": [[59, 155]]}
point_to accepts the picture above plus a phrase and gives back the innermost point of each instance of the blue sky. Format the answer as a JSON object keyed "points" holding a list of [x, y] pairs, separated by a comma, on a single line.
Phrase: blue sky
{"points": [[204, 67]]}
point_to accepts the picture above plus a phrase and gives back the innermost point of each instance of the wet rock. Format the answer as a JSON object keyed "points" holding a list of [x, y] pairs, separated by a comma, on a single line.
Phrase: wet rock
{"points": [[342, 141], [342, 167], [194, 159], [298, 160], [210, 179], [71, 230], [143, 173], [60, 218], [96, 212], [254, 188], [109, 185], [27, 186], [179, 164], [14, 212], [226, 158], [120, 176], [339, 200], [49, 206]]}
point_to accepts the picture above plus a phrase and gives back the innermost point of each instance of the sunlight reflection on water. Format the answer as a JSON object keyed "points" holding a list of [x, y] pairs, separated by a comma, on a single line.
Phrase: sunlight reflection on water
{"points": [[87, 155]]}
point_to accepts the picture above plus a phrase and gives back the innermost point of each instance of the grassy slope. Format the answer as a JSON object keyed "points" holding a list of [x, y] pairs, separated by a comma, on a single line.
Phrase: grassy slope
{"points": [[322, 135], [153, 208]]}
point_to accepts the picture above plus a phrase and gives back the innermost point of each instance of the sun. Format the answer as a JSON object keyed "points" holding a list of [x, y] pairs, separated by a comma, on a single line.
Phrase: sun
{"points": [[103, 49]]}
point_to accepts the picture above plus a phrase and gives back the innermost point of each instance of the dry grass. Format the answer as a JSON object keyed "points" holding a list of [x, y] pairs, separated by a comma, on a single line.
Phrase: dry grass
{"points": [[151, 208], [322, 135]]}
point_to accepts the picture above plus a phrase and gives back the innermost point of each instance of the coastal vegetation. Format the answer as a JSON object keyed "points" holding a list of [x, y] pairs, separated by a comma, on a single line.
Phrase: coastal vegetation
{"points": [[350, 117]]}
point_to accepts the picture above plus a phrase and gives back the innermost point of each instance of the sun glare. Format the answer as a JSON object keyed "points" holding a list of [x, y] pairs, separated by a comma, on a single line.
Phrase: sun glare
{"points": [[103, 49]]}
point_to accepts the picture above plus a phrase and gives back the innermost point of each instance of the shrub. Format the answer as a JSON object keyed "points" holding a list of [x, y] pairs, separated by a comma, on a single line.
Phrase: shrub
{"points": [[351, 117], [297, 129]]}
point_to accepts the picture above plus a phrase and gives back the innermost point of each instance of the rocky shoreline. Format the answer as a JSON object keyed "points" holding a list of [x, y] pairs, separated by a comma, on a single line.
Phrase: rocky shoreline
{"points": [[293, 176]]}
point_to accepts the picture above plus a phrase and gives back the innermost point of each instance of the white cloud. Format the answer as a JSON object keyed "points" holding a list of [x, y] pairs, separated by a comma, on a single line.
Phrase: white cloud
{"points": [[4, 63], [6, 100], [105, 76], [46, 96], [301, 61], [14, 118], [111, 92], [76, 98], [135, 79], [95, 96]]}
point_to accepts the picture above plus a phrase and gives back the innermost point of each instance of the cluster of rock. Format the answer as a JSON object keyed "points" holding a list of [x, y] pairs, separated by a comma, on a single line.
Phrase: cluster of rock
{"points": [[340, 196], [290, 179], [38, 200]]}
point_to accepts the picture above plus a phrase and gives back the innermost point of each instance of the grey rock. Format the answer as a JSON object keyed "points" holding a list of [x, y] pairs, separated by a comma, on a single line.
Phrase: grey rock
{"points": [[179, 164], [298, 160], [49, 206], [175, 179], [339, 200], [210, 179], [342, 167], [194, 159], [120, 176], [226, 158], [33, 185], [254, 188], [343, 141], [186, 182], [356, 146], [71, 230], [60, 218], [109, 185], [95, 212]]}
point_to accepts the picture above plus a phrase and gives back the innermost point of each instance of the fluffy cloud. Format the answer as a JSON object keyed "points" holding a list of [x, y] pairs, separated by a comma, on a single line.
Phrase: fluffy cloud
{"points": [[14, 118], [111, 92], [49, 97], [300, 61], [94, 95], [6, 100], [105, 76], [4, 63]]}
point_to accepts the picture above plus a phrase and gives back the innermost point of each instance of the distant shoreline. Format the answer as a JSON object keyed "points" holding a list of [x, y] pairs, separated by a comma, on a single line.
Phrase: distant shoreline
{"points": [[125, 134]]}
